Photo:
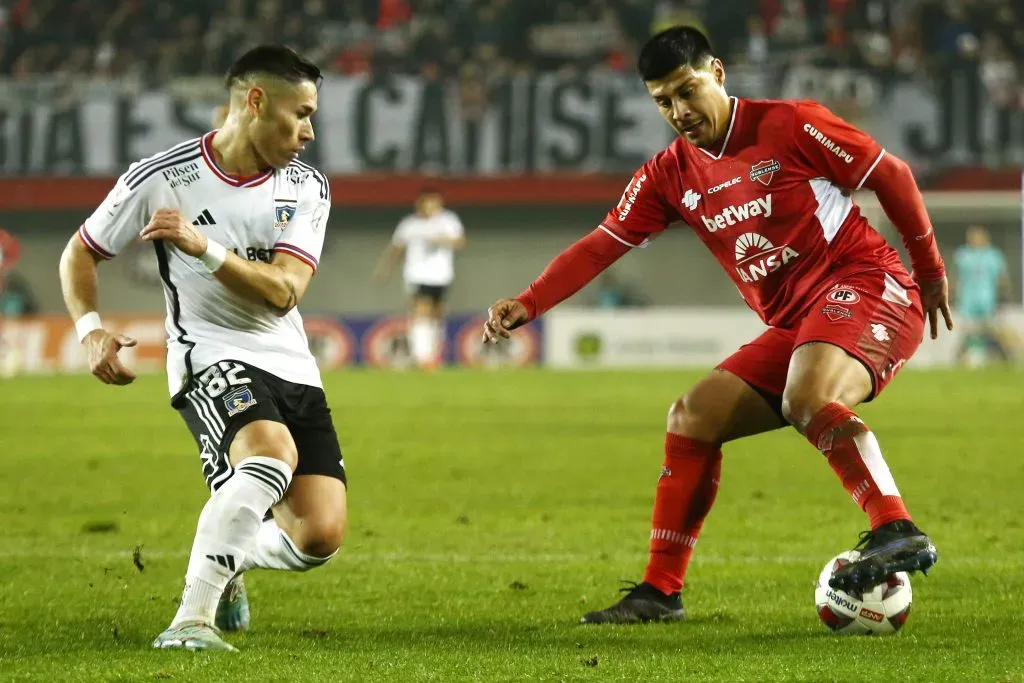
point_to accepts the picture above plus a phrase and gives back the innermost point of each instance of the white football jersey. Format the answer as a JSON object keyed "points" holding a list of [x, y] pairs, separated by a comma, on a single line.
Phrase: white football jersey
{"points": [[279, 210], [427, 264]]}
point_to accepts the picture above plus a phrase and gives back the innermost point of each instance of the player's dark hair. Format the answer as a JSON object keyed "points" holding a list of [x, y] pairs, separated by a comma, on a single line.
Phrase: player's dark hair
{"points": [[276, 60], [665, 52]]}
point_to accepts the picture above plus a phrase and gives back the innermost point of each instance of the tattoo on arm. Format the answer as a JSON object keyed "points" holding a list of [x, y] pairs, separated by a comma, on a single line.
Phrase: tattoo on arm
{"points": [[290, 303]]}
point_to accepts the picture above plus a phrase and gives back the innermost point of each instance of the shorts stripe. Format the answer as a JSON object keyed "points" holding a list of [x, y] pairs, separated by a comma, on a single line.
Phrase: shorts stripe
{"points": [[211, 410], [201, 410]]}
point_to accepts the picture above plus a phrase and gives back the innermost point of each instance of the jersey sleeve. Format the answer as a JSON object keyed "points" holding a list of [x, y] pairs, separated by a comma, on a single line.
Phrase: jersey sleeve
{"points": [[454, 227], [119, 219], [833, 148], [303, 237], [401, 235], [641, 211]]}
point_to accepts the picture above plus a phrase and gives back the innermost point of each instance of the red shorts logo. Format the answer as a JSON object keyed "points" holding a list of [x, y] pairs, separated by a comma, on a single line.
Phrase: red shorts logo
{"points": [[843, 295]]}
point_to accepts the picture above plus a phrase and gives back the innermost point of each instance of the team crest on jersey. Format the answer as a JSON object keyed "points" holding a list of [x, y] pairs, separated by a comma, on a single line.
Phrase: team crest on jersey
{"points": [[834, 313], [763, 171], [239, 400], [282, 214]]}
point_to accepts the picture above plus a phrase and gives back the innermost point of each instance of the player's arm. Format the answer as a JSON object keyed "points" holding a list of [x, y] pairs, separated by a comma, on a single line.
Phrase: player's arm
{"points": [[392, 254], [111, 227], [280, 284], [862, 162], [639, 214]]}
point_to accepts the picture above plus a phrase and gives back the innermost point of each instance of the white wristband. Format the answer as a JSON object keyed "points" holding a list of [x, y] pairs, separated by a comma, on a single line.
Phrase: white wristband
{"points": [[87, 323], [214, 256]]}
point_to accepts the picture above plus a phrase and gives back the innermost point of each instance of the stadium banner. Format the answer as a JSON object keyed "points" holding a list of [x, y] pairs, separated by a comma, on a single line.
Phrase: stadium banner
{"points": [[537, 123], [49, 344], [581, 338], [543, 122]]}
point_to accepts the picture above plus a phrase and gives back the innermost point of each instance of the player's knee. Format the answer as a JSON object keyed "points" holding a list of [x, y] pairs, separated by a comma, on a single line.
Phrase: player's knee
{"points": [[798, 407], [320, 535], [691, 417]]}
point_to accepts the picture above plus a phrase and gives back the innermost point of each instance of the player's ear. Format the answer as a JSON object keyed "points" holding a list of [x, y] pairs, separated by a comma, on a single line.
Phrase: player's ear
{"points": [[718, 69], [255, 101]]}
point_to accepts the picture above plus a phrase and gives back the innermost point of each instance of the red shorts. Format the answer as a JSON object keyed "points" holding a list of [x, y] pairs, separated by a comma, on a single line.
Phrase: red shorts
{"points": [[869, 315]]}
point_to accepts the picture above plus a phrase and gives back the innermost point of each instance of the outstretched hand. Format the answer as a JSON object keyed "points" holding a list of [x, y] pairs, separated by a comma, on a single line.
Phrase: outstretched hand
{"points": [[935, 299], [503, 317], [102, 348]]}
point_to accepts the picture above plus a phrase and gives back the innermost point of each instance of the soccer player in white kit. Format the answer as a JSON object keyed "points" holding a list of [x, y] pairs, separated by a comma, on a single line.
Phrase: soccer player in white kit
{"points": [[428, 240], [237, 223]]}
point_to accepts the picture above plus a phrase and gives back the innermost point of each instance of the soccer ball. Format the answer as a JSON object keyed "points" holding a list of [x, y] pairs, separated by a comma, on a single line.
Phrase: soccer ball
{"points": [[881, 609]]}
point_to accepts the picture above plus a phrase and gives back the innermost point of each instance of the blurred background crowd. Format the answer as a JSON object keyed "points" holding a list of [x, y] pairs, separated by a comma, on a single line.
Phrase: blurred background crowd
{"points": [[155, 40]]}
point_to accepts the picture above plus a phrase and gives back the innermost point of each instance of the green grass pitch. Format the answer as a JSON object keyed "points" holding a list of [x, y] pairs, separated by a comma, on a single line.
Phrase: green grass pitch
{"points": [[489, 510]]}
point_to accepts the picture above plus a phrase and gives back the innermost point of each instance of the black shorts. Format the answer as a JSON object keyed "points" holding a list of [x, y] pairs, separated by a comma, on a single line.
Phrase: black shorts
{"points": [[225, 397], [435, 293]]}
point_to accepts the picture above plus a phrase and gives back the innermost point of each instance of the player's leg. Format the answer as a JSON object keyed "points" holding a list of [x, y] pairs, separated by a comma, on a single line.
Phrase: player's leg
{"points": [[845, 354], [307, 526], [309, 523], [739, 399], [248, 456], [421, 328]]}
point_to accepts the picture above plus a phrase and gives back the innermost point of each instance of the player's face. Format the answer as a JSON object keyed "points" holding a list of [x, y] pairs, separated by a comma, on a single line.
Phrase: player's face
{"points": [[977, 237], [429, 204], [283, 124], [694, 102]]}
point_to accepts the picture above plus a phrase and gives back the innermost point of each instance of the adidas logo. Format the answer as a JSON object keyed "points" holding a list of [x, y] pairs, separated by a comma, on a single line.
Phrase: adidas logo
{"points": [[227, 561], [204, 218]]}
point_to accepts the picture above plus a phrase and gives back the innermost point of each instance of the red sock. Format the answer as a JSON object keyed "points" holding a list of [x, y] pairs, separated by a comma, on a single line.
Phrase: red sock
{"points": [[853, 453], [686, 490]]}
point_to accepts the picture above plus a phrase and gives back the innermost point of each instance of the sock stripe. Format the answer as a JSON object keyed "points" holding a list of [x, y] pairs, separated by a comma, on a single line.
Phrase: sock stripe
{"points": [[274, 486], [275, 474]]}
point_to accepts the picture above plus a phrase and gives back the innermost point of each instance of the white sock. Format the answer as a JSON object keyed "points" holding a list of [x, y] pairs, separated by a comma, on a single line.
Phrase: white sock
{"points": [[226, 533], [421, 342], [436, 338], [275, 550]]}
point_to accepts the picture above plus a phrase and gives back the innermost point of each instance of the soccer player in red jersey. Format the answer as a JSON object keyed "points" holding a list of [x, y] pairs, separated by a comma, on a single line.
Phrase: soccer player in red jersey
{"points": [[766, 186]]}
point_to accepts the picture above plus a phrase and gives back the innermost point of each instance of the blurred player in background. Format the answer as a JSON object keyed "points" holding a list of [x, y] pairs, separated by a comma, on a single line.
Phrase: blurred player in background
{"points": [[427, 241], [766, 186], [981, 277], [237, 222]]}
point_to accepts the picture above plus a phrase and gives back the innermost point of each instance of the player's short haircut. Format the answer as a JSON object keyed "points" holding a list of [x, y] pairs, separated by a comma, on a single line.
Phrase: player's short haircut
{"points": [[429, 190], [274, 60], [678, 46]]}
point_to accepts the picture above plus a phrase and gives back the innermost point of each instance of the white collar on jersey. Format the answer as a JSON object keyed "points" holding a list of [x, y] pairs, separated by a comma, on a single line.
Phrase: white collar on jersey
{"points": [[725, 143]]}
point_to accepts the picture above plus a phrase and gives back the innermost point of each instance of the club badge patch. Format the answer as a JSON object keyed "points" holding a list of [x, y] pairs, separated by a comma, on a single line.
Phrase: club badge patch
{"points": [[239, 400], [835, 313], [282, 214], [763, 171]]}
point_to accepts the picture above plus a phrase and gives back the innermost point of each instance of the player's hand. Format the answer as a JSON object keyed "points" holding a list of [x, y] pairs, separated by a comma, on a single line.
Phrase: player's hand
{"points": [[102, 347], [170, 225], [935, 298], [503, 317]]}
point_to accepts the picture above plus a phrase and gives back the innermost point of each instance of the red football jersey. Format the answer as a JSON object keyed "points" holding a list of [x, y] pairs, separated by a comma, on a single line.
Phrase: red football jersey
{"points": [[774, 205]]}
